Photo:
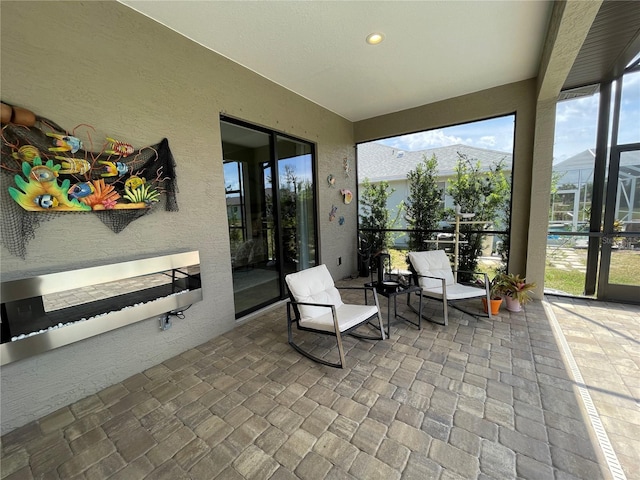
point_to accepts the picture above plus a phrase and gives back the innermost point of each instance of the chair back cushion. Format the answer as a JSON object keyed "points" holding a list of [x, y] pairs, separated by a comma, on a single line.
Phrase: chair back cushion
{"points": [[313, 285], [434, 263]]}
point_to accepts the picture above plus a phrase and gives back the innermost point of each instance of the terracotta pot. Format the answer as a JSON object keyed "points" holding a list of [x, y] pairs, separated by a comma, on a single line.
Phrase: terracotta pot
{"points": [[513, 305], [22, 116], [495, 305], [7, 112]]}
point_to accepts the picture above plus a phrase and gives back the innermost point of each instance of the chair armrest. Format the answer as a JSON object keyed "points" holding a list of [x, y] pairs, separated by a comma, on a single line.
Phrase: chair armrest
{"points": [[444, 284], [326, 305], [365, 289], [469, 271], [486, 277], [429, 276], [354, 288], [310, 304]]}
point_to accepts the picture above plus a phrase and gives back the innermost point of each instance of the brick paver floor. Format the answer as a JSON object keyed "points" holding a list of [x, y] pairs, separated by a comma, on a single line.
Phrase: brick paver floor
{"points": [[604, 341], [476, 399]]}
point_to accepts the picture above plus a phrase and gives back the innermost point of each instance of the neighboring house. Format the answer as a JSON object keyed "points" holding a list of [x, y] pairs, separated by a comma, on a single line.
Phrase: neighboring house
{"points": [[569, 209], [377, 163]]}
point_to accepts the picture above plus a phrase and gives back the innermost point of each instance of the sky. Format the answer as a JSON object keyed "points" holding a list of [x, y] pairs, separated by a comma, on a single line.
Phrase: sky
{"points": [[493, 134], [575, 127]]}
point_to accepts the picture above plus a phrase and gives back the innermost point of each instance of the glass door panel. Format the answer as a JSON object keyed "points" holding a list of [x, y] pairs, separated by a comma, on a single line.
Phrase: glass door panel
{"points": [[297, 204], [570, 234], [247, 172], [630, 98], [619, 279]]}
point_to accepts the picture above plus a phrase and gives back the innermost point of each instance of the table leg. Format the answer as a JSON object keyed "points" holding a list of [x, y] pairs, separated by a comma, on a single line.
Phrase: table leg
{"points": [[395, 305], [389, 317]]}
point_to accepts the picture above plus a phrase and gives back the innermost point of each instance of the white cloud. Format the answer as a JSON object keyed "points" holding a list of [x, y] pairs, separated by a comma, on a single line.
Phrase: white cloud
{"points": [[576, 122], [495, 134], [487, 141], [583, 109], [423, 140]]}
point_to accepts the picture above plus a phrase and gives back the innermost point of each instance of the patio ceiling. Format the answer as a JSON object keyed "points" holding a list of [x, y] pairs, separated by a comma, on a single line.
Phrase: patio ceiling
{"points": [[432, 50], [612, 42]]}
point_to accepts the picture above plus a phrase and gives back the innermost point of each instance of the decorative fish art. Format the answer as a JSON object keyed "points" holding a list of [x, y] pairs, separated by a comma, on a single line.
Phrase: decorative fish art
{"points": [[74, 165], [46, 201], [114, 169], [81, 190], [65, 143], [116, 147], [346, 163], [134, 182], [332, 214], [41, 174], [26, 153]]}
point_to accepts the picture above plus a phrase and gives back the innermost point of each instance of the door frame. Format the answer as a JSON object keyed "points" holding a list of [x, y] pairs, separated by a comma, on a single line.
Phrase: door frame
{"points": [[277, 214], [606, 289]]}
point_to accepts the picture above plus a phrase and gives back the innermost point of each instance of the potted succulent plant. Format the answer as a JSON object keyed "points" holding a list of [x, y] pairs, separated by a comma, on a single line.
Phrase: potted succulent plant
{"points": [[516, 291]]}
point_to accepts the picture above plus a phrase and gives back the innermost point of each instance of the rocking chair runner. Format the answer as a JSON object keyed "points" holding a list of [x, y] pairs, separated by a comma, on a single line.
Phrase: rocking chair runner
{"points": [[317, 307], [432, 271]]}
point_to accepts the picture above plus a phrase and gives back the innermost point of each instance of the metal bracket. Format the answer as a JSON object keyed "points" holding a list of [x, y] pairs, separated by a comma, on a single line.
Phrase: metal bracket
{"points": [[165, 322]]}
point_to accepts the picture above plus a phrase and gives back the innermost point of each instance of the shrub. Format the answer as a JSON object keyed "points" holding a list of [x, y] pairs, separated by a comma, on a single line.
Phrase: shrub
{"points": [[373, 205], [484, 193], [424, 205]]}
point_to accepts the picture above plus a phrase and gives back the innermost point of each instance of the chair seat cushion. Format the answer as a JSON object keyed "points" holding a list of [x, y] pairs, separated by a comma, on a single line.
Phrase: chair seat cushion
{"points": [[348, 317], [314, 285], [433, 263], [455, 291]]}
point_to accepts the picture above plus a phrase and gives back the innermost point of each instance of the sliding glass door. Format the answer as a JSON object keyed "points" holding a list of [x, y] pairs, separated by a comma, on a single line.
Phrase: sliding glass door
{"points": [[297, 204], [270, 197], [619, 279]]}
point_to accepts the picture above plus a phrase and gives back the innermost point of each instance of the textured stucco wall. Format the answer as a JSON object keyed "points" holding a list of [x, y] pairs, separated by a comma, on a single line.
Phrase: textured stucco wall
{"points": [[130, 78], [518, 98]]}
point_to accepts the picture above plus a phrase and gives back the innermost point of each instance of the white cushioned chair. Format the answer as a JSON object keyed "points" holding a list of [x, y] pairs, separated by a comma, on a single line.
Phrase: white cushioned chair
{"points": [[432, 271], [316, 306]]}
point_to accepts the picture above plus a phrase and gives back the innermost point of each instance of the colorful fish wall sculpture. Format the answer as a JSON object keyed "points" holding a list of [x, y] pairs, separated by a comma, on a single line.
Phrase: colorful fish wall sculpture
{"points": [[46, 169], [68, 183]]}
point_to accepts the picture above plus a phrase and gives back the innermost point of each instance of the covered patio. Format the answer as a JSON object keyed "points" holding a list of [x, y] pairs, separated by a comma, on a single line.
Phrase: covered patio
{"points": [[218, 396], [546, 393]]}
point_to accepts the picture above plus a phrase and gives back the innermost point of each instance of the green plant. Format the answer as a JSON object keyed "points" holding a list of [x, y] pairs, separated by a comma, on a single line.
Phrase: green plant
{"points": [[375, 218], [296, 197], [517, 288], [484, 193], [499, 286], [424, 204], [144, 193]]}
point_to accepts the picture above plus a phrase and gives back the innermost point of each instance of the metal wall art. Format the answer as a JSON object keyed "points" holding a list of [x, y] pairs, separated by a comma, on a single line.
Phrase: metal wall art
{"points": [[46, 169]]}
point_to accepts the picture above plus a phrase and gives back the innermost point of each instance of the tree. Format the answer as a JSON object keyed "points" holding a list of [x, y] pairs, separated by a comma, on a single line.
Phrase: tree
{"points": [[296, 196], [375, 217], [504, 223], [423, 207], [484, 193]]}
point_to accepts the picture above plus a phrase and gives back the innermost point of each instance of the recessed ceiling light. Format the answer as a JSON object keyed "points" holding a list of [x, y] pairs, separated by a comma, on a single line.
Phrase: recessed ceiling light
{"points": [[375, 38]]}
